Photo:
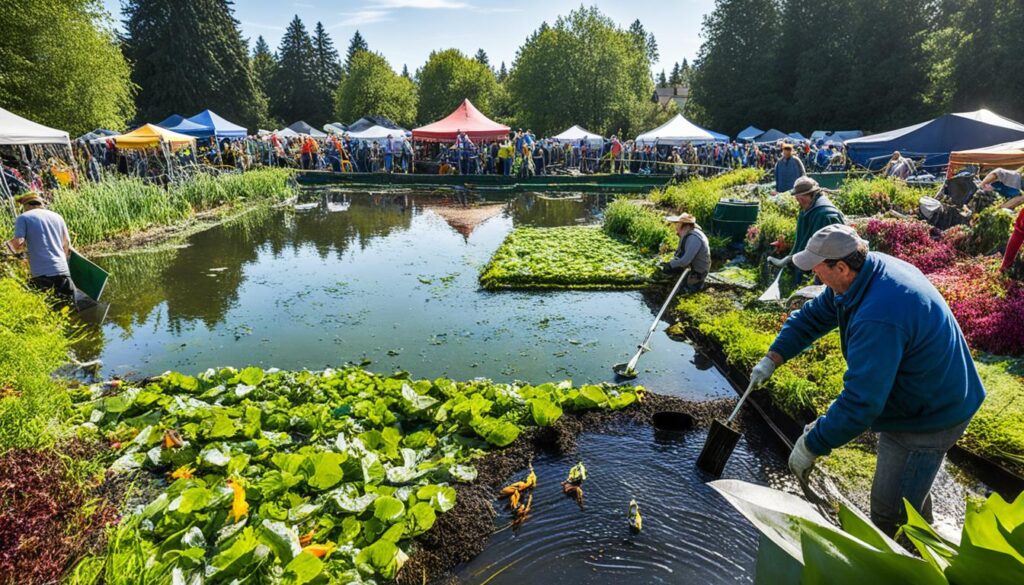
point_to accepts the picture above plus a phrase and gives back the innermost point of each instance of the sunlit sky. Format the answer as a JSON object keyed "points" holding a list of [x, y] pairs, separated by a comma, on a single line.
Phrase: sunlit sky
{"points": [[405, 31]]}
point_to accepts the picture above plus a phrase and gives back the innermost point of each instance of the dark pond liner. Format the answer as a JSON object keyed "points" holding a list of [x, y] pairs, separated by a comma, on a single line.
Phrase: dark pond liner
{"points": [[461, 533]]}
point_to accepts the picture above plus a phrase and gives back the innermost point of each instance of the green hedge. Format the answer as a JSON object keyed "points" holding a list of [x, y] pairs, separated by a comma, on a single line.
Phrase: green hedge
{"points": [[700, 195]]}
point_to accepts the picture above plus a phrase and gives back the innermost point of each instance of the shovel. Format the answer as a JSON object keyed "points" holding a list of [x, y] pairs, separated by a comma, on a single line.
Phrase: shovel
{"points": [[627, 371], [721, 441], [773, 293]]}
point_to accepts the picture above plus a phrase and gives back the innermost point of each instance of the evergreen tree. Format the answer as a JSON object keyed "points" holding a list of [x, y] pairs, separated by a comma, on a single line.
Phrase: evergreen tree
{"points": [[502, 73], [729, 85], [405, 72], [673, 78], [358, 43], [644, 40], [684, 72], [481, 57], [327, 67], [295, 94], [371, 87], [662, 80], [60, 65], [264, 66], [186, 73]]}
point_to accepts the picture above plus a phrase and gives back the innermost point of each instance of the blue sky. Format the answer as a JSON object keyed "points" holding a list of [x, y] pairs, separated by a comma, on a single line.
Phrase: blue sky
{"points": [[405, 31]]}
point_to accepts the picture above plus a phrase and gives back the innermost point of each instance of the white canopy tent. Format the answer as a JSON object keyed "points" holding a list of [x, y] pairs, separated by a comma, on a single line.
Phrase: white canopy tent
{"points": [[378, 134], [675, 132], [286, 133], [334, 129], [17, 130], [576, 133]]}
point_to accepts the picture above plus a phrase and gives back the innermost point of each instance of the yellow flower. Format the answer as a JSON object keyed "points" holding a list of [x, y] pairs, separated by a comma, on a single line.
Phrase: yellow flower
{"points": [[183, 472], [239, 507], [320, 550]]}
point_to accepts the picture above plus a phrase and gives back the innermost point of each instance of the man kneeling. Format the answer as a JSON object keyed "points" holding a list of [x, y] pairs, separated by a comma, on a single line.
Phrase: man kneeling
{"points": [[693, 252]]}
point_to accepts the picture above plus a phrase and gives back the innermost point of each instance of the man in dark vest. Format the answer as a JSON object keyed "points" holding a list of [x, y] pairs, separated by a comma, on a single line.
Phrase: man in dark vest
{"points": [[693, 252], [816, 212]]}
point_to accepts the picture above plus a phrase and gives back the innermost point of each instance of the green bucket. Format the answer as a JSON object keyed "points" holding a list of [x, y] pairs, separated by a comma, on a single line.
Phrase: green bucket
{"points": [[732, 217]]}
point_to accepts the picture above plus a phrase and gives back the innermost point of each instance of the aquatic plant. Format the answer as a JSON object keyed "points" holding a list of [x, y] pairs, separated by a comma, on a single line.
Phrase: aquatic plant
{"points": [[123, 205], [308, 476], [642, 226], [799, 546], [877, 195], [566, 257], [699, 196]]}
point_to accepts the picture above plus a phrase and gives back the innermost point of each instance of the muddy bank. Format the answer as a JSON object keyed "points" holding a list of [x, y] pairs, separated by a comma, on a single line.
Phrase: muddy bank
{"points": [[462, 533]]}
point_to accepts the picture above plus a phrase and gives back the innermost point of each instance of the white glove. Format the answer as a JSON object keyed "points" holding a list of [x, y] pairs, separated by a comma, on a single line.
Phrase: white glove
{"points": [[986, 187], [801, 459], [762, 371], [779, 262]]}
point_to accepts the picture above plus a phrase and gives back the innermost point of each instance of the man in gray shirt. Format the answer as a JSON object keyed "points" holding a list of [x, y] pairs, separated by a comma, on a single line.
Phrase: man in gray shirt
{"points": [[693, 252], [44, 235]]}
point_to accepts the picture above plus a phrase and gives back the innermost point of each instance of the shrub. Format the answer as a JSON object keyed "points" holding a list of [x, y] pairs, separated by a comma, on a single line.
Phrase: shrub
{"points": [[641, 226], [989, 231], [771, 226], [910, 240], [871, 196], [699, 196], [33, 343]]}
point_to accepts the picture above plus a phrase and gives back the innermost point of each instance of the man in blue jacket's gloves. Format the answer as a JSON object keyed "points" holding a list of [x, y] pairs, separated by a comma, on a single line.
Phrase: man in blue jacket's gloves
{"points": [[910, 375]]}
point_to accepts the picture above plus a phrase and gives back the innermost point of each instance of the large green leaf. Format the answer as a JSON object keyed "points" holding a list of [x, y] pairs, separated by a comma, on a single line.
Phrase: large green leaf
{"points": [[416, 401], [251, 376], [384, 557], [236, 558], [832, 557], [304, 568], [544, 412], [388, 509], [933, 548], [498, 432], [420, 518], [281, 538], [985, 555], [591, 397], [441, 497], [326, 469]]}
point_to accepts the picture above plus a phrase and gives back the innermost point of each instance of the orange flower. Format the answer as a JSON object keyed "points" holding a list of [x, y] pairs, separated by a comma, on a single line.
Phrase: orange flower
{"points": [[183, 472], [307, 538], [320, 550], [239, 507]]}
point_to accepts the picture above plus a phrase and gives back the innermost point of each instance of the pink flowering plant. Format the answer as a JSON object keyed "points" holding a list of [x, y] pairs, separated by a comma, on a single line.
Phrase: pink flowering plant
{"points": [[913, 241], [988, 306]]}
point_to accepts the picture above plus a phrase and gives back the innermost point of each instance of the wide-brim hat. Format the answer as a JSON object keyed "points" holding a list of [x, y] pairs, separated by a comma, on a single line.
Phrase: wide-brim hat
{"points": [[30, 197], [683, 218], [832, 242], [805, 186]]}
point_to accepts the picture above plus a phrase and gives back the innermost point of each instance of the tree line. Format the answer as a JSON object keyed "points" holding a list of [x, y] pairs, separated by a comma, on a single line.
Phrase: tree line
{"points": [[855, 64]]}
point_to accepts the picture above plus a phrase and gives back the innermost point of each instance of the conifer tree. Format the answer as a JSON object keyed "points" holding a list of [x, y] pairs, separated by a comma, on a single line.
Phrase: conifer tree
{"points": [[405, 72], [295, 94], [673, 77], [358, 43], [178, 73], [263, 65], [502, 73], [481, 57], [662, 80]]}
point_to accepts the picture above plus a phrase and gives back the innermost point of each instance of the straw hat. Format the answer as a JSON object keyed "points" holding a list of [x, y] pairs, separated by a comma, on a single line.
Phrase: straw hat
{"points": [[30, 197], [805, 186], [683, 218]]}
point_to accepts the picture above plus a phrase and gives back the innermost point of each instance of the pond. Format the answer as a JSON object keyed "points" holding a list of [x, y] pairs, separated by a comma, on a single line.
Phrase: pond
{"points": [[389, 280]]}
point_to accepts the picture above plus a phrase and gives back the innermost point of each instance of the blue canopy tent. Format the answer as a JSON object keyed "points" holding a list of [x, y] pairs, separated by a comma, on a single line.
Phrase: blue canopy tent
{"points": [[772, 135], [834, 136], [172, 120], [749, 133], [797, 136], [935, 139], [718, 137], [217, 126], [188, 128]]}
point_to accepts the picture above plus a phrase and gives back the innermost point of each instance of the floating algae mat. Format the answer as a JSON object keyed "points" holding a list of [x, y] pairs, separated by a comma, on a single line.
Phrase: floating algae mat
{"points": [[305, 477], [567, 258]]}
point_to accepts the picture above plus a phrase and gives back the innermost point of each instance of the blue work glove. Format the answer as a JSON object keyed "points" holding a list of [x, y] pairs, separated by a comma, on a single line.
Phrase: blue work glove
{"points": [[762, 371], [801, 459]]}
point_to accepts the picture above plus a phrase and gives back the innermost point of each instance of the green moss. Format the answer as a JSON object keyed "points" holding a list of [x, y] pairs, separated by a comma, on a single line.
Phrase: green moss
{"points": [[997, 430], [853, 467], [33, 343], [566, 257]]}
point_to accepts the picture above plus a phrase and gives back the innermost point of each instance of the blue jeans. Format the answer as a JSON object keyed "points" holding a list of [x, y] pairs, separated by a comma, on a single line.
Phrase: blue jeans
{"points": [[906, 468]]}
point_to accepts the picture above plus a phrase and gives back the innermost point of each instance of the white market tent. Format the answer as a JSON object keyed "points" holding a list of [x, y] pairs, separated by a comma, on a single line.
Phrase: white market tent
{"points": [[378, 134], [17, 130], [675, 132], [576, 133], [334, 129], [286, 133]]}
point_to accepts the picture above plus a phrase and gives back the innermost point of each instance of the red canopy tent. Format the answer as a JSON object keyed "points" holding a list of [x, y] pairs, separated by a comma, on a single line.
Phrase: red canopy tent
{"points": [[466, 118]]}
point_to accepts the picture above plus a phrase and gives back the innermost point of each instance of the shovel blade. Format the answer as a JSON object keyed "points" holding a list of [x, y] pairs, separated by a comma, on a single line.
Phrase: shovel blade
{"points": [[718, 448], [772, 294]]}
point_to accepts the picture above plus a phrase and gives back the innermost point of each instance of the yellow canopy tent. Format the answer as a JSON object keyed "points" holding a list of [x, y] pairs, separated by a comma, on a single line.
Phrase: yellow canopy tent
{"points": [[150, 136], [1009, 155]]}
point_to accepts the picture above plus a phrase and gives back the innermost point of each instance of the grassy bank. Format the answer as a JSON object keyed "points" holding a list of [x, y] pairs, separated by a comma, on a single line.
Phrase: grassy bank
{"points": [[804, 387], [566, 258], [122, 206]]}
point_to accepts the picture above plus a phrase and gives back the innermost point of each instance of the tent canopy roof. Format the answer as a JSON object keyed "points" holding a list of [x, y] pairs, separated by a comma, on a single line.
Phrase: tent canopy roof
{"points": [[1007, 155], [466, 118], [578, 133], [218, 126], [378, 133], [772, 135], [749, 133], [937, 138], [370, 121], [149, 136], [675, 132], [17, 130], [172, 120], [188, 128], [301, 127], [335, 128], [838, 136], [718, 136]]}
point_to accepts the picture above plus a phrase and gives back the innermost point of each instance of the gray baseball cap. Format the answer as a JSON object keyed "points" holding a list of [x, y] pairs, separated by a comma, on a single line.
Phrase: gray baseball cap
{"points": [[831, 242]]}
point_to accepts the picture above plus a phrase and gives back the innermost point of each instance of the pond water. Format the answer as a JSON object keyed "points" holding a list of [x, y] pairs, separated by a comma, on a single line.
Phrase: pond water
{"points": [[390, 281]]}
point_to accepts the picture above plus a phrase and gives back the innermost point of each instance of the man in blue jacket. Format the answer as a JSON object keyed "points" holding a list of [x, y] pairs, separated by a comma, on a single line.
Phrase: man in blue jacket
{"points": [[788, 169], [910, 375]]}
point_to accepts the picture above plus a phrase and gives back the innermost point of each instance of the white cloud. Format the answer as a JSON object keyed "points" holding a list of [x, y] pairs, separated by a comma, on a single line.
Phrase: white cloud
{"points": [[362, 17], [425, 4]]}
